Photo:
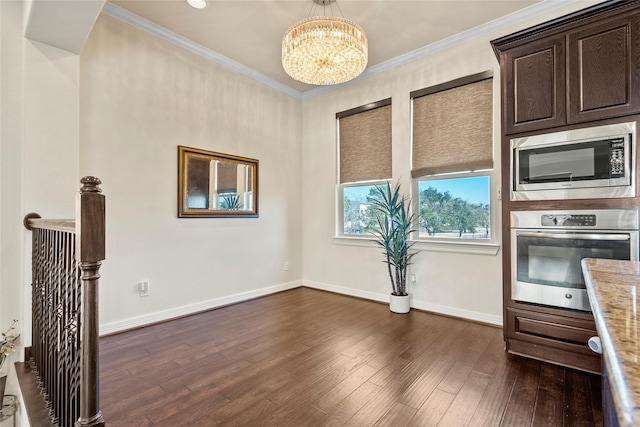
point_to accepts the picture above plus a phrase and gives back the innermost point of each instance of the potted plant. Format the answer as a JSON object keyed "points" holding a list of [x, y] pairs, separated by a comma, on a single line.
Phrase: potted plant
{"points": [[395, 220], [7, 345], [230, 202]]}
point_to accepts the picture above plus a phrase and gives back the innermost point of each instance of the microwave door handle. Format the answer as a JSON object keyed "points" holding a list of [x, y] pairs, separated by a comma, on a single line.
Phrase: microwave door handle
{"points": [[617, 237], [556, 175]]}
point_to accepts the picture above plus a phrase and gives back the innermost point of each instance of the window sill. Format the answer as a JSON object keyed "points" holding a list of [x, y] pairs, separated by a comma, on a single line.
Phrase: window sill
{"points": [[355, 241], [476, 248]]}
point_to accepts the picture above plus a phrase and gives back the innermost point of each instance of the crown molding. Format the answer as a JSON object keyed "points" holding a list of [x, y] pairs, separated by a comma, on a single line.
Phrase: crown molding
{"points": [[532, 11], [183, 42], [465, 36]]}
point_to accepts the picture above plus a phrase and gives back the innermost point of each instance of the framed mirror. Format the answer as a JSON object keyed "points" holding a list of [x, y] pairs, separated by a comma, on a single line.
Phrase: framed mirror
{"points": [[216, 185]]}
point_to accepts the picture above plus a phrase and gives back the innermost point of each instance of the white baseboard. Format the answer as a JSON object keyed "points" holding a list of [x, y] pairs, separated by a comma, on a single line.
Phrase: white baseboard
{"points": [[172, 313], [374, 296], [185, 310], [476, 316]]}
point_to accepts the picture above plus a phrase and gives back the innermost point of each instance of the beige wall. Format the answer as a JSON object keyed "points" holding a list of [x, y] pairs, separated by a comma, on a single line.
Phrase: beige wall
{"points": [[11, 167], [11, 118], [140, 98], [50, 130], [38, 157]]}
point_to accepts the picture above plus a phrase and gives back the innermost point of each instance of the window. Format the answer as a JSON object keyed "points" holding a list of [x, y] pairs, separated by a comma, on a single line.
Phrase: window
{"points": [[454, 207], [364, 138], [357, 215], [452, 158]]}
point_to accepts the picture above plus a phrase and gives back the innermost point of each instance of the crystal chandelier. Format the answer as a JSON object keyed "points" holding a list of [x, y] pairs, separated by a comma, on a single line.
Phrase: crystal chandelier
{"points": [[324, 50]]}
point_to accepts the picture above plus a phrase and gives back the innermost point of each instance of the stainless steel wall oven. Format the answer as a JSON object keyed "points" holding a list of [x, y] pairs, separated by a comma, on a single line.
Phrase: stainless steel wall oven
{"points": [[547, 247]]}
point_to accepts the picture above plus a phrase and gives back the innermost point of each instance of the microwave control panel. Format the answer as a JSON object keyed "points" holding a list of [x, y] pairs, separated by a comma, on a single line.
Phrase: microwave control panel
{"points": [[583, 220], [616, 157]]}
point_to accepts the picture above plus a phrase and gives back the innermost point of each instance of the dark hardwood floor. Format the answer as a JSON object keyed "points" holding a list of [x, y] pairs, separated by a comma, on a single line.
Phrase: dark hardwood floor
{"points": [[311, 358]]}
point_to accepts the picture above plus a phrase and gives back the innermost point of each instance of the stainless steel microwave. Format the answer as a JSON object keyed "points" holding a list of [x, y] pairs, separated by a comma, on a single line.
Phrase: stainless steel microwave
{"points": [[587, 163]]}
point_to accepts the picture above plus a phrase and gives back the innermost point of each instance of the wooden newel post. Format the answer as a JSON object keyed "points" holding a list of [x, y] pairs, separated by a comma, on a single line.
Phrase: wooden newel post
{"points": [[90, 251]]}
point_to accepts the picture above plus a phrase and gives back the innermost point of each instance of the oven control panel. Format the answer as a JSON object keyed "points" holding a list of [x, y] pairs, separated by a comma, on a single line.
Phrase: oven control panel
{"points": [[591, 219], [565, 220]]}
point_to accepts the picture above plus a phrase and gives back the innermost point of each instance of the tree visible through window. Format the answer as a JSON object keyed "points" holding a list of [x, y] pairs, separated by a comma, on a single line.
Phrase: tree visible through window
{"points": [[357, 214], [454, 208]]}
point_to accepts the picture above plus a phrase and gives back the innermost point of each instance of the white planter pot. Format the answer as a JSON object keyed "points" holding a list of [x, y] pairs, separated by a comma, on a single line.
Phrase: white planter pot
{"points": [[399, 304]]}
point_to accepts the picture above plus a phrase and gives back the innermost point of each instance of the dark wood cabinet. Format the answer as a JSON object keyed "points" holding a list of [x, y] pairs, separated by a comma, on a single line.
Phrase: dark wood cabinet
{"points": [[556, 338], [581, 69], [534, 80], [604, 69]]}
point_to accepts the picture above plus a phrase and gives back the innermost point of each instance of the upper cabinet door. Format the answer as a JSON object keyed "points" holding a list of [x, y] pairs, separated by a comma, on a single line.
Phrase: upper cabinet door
{"points": [[604, 69], [533, 77]]}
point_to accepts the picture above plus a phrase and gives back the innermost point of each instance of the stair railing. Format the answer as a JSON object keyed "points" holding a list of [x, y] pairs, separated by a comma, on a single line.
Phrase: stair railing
{"points": [[66, 259]]}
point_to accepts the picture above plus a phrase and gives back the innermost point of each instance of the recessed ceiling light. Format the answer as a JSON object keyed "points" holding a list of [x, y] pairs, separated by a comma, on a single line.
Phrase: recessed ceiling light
{"points": [[198, 4]]}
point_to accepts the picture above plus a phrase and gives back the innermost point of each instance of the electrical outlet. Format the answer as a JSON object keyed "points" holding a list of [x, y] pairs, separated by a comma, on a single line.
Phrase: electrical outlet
{"points": [[413, 278], [286, 266], [143, 288]]}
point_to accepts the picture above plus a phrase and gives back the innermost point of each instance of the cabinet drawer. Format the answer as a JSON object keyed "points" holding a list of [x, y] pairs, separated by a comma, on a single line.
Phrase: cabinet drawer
{"points": [[523, 324], [564, 356]]}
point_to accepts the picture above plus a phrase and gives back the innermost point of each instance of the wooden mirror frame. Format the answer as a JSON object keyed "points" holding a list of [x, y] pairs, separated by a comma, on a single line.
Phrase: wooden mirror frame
{"points": [[200, 172]]}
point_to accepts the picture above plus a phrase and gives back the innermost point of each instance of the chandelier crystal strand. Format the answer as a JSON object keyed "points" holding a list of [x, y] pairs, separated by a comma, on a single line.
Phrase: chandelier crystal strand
{"points": [[324, 50]]}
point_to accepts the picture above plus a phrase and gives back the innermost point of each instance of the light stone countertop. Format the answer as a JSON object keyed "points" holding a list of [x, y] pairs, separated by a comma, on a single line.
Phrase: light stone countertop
{"points": [[612, 286]]}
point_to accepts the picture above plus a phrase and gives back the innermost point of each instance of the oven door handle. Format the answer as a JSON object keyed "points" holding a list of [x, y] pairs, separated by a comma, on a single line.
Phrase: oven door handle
{"points": [[572, 235]]}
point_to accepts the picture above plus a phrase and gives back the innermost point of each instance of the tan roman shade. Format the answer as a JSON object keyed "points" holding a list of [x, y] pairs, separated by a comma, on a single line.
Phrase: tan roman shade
{"points": [[365, 143], [453, 128], [227, 177]]}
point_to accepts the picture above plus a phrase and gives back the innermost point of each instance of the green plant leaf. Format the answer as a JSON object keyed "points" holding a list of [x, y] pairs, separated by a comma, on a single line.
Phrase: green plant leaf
{"points": [[395, 224]]}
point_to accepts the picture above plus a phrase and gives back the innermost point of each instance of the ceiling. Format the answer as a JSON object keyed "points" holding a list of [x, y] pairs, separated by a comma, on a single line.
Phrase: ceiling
{"points": [[250, 32]]}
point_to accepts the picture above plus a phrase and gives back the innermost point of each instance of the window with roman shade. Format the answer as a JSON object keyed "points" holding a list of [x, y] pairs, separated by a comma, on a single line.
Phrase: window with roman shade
{"points": [[453, 126], [364, 160], [365, 142], [452, 158]]}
